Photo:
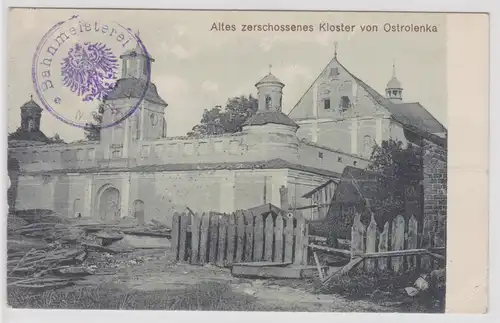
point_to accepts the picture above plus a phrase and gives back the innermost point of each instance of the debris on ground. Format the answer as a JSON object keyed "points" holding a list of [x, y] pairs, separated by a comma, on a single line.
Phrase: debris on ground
{"points": [[46, 250]]}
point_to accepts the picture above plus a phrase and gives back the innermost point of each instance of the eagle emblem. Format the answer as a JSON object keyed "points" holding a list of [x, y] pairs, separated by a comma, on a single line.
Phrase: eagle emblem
{"points": [[89, 70]]}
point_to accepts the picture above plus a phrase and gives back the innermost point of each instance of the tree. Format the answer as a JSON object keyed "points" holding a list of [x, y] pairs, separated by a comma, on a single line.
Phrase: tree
{"points": [[216, 121], [93, 129], [400, 168]]}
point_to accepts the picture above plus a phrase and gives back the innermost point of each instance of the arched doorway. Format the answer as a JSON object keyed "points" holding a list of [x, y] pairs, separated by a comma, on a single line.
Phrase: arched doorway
{"points": [[109, 204], [139, 211]]}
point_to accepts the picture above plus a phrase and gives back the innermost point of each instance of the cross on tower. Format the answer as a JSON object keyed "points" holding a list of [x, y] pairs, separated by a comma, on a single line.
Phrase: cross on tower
{"points": [[335, 44], [270, 68]]}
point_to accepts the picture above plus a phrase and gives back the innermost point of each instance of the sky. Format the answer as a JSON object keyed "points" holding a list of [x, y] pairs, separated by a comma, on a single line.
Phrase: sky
{"points": [[196, 68]]}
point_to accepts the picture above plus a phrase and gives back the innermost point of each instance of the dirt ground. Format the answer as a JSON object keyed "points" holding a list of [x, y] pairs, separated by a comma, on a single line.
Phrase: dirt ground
{"points": [[157, 270]]}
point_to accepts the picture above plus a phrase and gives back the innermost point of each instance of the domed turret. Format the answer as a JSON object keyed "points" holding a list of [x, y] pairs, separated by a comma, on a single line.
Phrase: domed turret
{"points": [[31, 114], [394, 88]]}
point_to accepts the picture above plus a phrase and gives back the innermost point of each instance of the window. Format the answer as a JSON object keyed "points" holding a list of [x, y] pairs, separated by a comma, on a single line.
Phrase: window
{"points": [[116, 153], [345, 103], [320, 155], [334, 71], [339, 159], [326, 103], [268, 102], [355, 163]]}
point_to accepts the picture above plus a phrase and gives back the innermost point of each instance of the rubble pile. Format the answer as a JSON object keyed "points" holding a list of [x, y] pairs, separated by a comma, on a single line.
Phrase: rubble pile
{"points": [[45, 250]]}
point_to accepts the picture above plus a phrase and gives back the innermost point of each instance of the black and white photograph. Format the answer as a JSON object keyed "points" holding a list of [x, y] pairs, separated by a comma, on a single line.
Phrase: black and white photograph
{"points": [[227, 160]]}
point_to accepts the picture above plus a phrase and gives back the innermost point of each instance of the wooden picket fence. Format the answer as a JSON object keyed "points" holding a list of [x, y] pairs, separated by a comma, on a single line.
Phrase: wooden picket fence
{"points": [[225, 239], [400, 235]]}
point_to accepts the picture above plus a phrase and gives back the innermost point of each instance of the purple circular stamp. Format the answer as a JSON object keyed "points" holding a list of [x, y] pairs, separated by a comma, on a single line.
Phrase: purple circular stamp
{"points": [[80, 65]]}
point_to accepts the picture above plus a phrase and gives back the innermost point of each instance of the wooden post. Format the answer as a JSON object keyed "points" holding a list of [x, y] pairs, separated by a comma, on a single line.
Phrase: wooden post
{"points": [[213, 238], [383, 245], [240, 240], [305, 244], [183, 237], [412, 240], [221, 251], [195, 238], [278, 239], [398, 238], [357, 236], [249, 236], [258, 237], [205, 227], [175, 234], [318, 265], [269, 237], [284, 198], [289, 239], [231, 238], [371, 240], [299, 240]]}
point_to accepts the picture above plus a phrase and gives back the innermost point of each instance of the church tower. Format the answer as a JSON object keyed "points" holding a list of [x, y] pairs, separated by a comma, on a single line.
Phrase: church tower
{"points": [[394, 89], [135, 63], [134, 90]]}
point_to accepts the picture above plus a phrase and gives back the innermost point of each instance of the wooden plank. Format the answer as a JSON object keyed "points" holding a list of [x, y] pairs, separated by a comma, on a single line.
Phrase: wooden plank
{"points": [[263, 264], [269, 238], [195, 238], [258, 238], [240, 239], [299, 233], [249, 235], [288, 239], [395, 253], [175, 234], [357, 236], [278, 239], [334, 276], [213, 238], [231, 238], [318, 265], [205, 227], [371, 240], [221, 250], [183, 236], [341, 252], [398, 239], [383, 246], [412, 240], [273, 272], [437, 256]]}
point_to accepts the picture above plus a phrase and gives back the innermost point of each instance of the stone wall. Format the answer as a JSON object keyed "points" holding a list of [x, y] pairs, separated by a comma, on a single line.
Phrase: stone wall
{"points": [[435, 189]]}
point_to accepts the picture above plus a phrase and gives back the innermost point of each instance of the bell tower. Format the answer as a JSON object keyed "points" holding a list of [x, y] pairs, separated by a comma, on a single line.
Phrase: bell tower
{"points": [[270, 93], [135, 63]]}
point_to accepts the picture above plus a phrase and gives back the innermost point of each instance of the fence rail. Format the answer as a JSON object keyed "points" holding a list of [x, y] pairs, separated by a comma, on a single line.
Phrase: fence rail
{"points": [[224, 239], [390, 248]]}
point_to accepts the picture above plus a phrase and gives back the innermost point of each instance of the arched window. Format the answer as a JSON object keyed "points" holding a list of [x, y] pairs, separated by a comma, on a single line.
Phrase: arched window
{"points": [[268, 102], [31, 125], [139, 211]]}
